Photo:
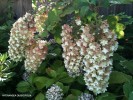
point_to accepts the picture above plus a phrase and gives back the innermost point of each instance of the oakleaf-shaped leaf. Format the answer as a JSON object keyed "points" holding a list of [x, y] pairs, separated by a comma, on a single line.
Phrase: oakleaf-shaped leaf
{"points": [[40, 81], [39, 96], [23, 86], [119, 77], [127, 88]]}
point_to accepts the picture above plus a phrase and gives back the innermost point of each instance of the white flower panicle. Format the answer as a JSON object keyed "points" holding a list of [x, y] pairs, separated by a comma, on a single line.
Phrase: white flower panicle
{"points": [[91, 51], [97, 54], [40, 18], [22, 43], [85, 96], [54, 93], [71, 55], [42, 14], [85, 40], [21, 32], [35, 54]]}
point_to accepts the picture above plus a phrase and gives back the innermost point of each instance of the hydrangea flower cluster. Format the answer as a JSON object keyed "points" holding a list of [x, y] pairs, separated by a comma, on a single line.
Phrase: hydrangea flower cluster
{"points": [[54, 93], [71, 55], [42, 13], [97, 52], [20, 34], [35, 54], [85, 96], [95, 49], [23, 45], [40, 18]]}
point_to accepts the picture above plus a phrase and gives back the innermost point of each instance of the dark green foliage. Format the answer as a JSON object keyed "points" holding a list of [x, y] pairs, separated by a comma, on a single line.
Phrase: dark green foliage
{"points": [[6, 22], [5, 69], [39, 96]]}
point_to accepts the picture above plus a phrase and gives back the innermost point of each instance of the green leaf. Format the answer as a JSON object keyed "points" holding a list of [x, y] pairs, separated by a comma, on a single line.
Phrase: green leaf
{"points": [[76, 92], [119, 27], [127, 88], [53, 17], [128, 65], [119, 77], [62, 74], [57, 50], [130, 96], [51, 73], [42, 68], [44, 34], [40, 82], [3, 57], [65, 89], [71, 97], [23, 86], [76, 4], [103, 3], [84, 11], [91, 15], [113, 20], [11, 74], [86, 1], [31, 78], [106, 96], [50, 26], [89, 18], [57, 63], [67, 11], [58, 39], [118, 57], [60, 85], [67, 80], [61, 70], [39, 96], [80, 80], [119, 30], [49, 82], [93, 2], [57, 11], [120, 34]]}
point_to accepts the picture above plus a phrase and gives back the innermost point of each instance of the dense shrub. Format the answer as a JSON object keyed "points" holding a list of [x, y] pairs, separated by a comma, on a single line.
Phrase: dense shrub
{"points": [[66, 50]]}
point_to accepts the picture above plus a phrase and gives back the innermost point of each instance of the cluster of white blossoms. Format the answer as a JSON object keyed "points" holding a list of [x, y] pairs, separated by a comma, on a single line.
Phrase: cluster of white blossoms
{"points": [[85, 96], [42, 14], [20, 34], [71, 54], [40, 18], [95, 49], [23, 45], [54, 93], [34, 54]]}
